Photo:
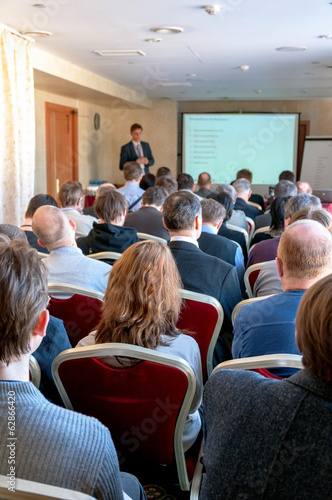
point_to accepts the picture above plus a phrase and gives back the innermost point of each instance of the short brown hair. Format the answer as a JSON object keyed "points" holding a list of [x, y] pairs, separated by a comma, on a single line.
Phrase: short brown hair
{"points": [[135, 126], [69, 193], [154, 196], [142, 300], [314, 327], [167, 182], [132, 171], [23, 297], [212, 211], [163, 171], [110, 206], [244, 174], [38, 201], [305, 249]]}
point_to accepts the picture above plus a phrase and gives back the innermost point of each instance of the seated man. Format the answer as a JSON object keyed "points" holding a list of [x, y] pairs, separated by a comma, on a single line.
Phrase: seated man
{"points": [[212, 243], [267, 326], [131, 191], [66, 263], [186, 183], [37, 201], [102, 188], [303, 187], [149, 218], [243, 190], [204, 185], [271, 439], [238, 217], [283, 188], [46, 443], [244, 173], [202, 273], [163, 171], [70, 197], [267, 250], [109, 235], [167, 182]]}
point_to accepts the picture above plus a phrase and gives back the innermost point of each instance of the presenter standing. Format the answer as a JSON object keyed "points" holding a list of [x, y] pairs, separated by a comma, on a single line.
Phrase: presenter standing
{"points": [[137, 150]]}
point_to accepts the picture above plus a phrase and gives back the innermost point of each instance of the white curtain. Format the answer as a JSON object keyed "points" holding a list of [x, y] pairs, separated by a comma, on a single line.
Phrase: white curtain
{"points": [[17, 127]]}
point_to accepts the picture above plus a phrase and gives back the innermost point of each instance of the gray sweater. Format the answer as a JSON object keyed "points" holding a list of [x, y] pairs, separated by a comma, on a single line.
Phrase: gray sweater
{"points": [[57, 446]]}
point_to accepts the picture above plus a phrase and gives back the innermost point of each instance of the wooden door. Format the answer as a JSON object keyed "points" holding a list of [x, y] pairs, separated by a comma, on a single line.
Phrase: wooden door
{"points": [[61, 146], [304, 130]]}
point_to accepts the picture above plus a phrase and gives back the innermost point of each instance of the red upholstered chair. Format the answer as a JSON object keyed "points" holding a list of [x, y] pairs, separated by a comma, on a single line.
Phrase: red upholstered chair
{"points": [[80, 311], [203, 316], [251, 227], [144, 405], [250, 277]]}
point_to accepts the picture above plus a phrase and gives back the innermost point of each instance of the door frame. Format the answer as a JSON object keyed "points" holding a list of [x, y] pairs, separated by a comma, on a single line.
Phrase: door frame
{"points": [[50, 143]]}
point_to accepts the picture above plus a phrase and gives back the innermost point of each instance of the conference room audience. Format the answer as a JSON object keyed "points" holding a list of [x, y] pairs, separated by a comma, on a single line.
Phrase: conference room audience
{"points": [[132, 192], [304, 256], [243, 190], [277, 221], [167, 182], [149, 219], [245, 173], [212, 243], [204, 184], [141, 307], [267, 250], [272, 439], [283, 188], [200, 272], [66, 263], [268, 281], [70, 197], [102, 188], [53, 446], [238, 217], [36, 201], [109, 235]]}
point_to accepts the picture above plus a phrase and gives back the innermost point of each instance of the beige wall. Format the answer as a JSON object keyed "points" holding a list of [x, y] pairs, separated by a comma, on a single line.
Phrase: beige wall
{"points": [[318, 112], [99, 151]]}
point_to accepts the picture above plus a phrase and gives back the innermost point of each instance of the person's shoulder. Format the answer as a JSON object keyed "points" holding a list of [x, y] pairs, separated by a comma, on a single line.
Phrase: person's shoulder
{"points": [[96, 264]]}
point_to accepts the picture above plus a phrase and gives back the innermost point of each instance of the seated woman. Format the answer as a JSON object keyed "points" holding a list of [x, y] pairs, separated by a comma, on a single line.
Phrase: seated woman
{"points": [[272, 439], [277, 223], [141, 307]]}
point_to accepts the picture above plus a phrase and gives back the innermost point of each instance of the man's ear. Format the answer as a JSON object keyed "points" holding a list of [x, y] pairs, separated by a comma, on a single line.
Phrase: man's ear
{"points": [[165, 224], [42, 324], [73, 224], [41, 243], [280, 267], [219, 224], [160, 208]]}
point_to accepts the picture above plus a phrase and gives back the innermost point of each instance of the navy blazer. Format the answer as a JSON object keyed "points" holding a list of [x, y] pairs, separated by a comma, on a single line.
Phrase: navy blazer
{"points": [[128, 153], [249, 210], [267, 439]]}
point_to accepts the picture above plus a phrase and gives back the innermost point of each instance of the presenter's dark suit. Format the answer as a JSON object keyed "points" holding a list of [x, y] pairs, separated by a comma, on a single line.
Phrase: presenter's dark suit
{"points": [[128, 153], [206, 274]]}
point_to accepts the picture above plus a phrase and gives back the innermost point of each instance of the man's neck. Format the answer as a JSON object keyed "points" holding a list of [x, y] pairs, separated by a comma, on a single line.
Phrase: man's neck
{"points": [[212, 226], [27, 222], [16, 370], [188, 234], [244, 197], [133, 180]]}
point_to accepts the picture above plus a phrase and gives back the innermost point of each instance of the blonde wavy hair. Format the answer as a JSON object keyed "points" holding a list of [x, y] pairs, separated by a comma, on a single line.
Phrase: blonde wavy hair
{"points": [[142, 300]]}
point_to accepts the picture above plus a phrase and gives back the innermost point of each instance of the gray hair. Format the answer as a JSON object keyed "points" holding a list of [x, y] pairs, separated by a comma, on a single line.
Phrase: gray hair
{"points": [[301, 201], [242, 185], [154, 196], [228, 188], [285, 188], [180, 211]]}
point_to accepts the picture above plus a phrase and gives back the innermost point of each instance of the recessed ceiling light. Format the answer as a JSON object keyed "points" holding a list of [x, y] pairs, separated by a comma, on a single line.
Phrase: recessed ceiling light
{"points": [[119, 53], [291, 49], [325, 37], [153, 40], [212, 10], [244, 67], [167, 30], [37, 33]]}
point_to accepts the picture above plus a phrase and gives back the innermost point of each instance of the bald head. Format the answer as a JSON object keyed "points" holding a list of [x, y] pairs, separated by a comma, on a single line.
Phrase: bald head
{"points": [[204, 180], [52, 227], [305, 251], [104, 188], [303, 187]]}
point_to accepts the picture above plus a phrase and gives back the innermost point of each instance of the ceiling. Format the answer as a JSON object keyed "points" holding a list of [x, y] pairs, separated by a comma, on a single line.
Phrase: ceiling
{"points": [[211, 47]]}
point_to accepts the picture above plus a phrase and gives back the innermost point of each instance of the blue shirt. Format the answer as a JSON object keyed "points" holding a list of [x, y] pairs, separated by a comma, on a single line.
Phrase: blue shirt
{"points": [[268, 327], [131, 191]]}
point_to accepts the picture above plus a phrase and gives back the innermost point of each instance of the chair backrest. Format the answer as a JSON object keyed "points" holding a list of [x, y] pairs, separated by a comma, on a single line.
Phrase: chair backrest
{"points": [[203, 316], [239, 305], [80, 312], [251, 226], [26, 490], [263, 229], [240, 230], [145, 236], [105, 255], [79, 234], [256, 205], [258, 362], [250, 277], [152, 396], [35, 372]]}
